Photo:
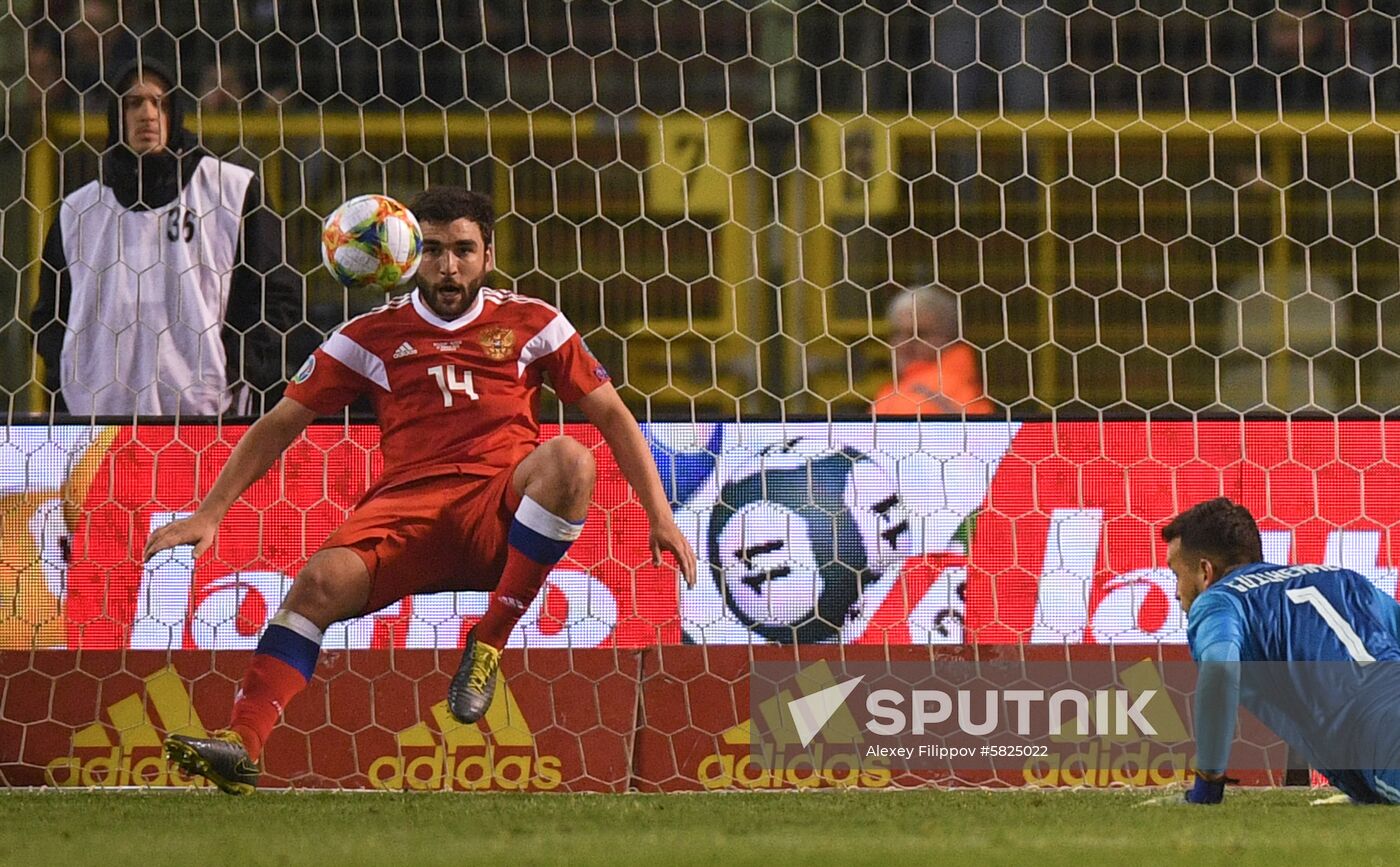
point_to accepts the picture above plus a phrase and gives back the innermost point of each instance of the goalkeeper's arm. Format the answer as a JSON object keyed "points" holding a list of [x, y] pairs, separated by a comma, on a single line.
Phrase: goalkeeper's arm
{"points": [[1217, 705], [255, 453]]}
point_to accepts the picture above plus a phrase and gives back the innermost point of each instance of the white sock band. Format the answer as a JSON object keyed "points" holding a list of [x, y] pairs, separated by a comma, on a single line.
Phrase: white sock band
{"points": [[298, 624], [546, 523]]}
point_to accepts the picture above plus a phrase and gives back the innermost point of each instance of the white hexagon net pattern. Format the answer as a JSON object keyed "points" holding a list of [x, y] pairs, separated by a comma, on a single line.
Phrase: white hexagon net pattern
{"points": [[1163, 246]]}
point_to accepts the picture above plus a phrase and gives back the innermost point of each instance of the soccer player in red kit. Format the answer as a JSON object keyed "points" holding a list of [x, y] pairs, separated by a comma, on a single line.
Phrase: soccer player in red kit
{"points": [[468, 498]]}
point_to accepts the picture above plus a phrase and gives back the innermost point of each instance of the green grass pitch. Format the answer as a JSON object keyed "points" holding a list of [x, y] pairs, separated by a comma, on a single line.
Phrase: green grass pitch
{"points": [[965, 828]]}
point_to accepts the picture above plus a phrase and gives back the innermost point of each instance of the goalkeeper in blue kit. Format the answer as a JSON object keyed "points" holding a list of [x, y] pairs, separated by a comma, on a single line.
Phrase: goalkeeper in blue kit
{"points": [[1309, 650]]}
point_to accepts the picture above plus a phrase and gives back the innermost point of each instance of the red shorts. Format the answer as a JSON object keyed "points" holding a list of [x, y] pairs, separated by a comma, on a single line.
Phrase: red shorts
{"points": [[434, 534]]}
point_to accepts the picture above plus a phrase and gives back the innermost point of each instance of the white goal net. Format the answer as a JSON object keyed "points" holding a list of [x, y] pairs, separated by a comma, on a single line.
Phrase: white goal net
{"points": [[1159, 249]]}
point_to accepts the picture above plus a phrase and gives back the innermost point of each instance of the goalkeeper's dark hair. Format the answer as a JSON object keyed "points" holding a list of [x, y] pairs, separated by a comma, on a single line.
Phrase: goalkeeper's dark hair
{"points": [[447, 204], [1222, 531]]}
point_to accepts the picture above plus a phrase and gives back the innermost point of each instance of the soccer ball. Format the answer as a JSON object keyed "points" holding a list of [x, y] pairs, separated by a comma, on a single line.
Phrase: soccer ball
{"points": [[371, 242]]}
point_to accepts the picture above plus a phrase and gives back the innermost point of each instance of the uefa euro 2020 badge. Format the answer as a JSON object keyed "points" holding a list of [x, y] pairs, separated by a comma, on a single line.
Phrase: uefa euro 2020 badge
{"points": [[306, 370]]}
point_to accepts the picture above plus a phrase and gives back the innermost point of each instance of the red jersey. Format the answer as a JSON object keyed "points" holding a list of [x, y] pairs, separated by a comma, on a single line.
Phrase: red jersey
{"points": [[451, 397]]}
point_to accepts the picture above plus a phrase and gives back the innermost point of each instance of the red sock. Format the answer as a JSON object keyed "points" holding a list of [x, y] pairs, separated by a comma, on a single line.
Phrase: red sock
{"points": [[538, 539], [268, 685], [520, 584]]}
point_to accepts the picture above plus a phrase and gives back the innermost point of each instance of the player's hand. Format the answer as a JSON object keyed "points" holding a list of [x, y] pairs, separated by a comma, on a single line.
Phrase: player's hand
{"points": [[666, 536], [198, 530], [1206, 791]]}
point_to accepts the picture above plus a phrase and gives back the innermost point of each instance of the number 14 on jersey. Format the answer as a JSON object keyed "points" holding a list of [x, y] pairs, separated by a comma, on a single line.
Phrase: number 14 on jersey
{"points": [[448, 382]]}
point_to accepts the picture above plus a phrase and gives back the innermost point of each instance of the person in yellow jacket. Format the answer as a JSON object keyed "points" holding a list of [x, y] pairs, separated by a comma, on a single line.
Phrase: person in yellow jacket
{"points": [[935, 372]]}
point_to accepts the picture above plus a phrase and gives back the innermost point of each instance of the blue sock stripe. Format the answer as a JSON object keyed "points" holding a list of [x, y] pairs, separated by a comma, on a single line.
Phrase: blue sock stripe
{"points": [[537, 546], [298, 651]]}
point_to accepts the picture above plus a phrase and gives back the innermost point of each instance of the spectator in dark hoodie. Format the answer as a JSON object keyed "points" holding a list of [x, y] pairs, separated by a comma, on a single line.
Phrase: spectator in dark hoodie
{"points": [[163, 289]]}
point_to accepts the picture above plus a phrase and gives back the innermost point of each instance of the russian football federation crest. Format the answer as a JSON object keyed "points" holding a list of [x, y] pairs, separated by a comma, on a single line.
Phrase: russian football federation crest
{"points": [[498, 342]]}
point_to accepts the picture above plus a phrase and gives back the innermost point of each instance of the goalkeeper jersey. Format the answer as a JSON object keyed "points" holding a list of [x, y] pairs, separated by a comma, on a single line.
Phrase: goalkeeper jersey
{"points": [[1316, 649]]}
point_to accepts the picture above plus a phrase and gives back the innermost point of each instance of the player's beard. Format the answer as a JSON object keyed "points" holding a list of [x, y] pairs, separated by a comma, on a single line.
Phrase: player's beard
{"points": [[449, 299]]}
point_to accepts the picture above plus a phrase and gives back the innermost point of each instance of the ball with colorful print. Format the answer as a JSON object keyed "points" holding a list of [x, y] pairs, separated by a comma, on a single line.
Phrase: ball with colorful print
{"points": [[371, 241]]}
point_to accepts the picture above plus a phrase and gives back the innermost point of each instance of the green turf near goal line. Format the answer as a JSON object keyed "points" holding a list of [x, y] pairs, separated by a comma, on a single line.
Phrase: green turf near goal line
{"points": [[974, 827]]}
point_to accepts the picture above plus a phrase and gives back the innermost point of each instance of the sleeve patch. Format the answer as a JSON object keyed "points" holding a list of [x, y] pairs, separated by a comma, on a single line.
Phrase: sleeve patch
{"points": [[308, 368]]}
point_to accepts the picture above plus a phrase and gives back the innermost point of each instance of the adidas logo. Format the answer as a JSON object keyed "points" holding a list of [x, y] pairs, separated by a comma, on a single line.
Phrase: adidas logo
{"points": [[405, 349], [135, 758], [788, 723], [1098, 760], [496, 753]]}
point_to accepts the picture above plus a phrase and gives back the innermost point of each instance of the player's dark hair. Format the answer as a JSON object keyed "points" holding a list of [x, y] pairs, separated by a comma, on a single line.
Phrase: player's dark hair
{"points": [[447, 204], [1222, 531]]}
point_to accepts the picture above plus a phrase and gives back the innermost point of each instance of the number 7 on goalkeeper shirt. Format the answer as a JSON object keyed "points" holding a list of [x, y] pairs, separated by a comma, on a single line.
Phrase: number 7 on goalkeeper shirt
{"points": [[1312, 651], [468, 498]]}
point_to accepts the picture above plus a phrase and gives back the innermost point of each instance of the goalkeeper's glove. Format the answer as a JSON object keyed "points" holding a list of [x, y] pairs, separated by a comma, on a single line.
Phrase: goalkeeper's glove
{"points": [[1206, 792]]}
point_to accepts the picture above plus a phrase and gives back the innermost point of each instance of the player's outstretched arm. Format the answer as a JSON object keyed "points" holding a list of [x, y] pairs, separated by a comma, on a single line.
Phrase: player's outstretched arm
{"points": [[612, 418], [259, 449], [1217, 706], [1215, 644]]}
